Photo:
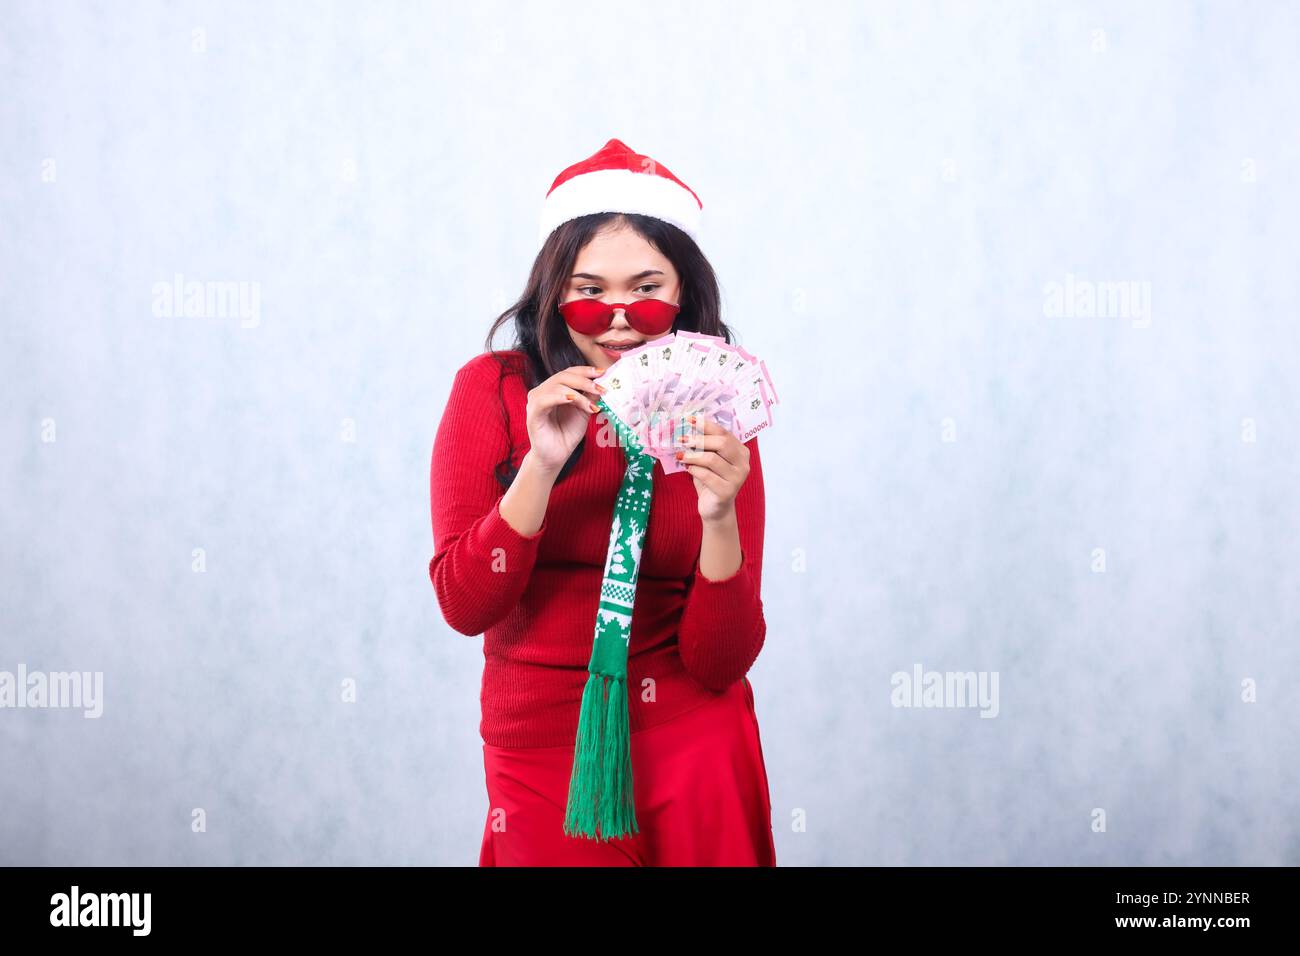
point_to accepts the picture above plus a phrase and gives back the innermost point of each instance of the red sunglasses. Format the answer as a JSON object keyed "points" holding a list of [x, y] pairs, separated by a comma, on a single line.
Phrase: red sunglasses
{"points": [[647, 316]]}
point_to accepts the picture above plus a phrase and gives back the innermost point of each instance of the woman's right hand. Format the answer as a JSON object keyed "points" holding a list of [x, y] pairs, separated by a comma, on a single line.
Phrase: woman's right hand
{"points": [[558, 411]]}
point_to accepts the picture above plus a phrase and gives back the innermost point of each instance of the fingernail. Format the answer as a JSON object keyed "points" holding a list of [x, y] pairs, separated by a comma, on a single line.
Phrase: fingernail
{"points": [[680, 455], [600, 388], [691, 419], [594, 407]]}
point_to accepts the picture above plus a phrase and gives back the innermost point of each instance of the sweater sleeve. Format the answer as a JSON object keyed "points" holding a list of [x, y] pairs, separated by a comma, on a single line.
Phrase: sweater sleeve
{"points": [[722, 626], [481, 564]]}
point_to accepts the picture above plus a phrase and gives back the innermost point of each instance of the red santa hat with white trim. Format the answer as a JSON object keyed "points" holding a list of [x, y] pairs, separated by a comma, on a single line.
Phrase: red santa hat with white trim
{"points": [[616, 178]]}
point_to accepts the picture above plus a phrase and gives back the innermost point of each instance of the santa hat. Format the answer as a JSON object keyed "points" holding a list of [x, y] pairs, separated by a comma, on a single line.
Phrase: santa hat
{"points": [[618, 179]]}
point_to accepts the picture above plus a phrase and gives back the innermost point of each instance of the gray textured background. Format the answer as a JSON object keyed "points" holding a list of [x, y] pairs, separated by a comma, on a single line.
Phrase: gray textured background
{"points": [[888, 189]]}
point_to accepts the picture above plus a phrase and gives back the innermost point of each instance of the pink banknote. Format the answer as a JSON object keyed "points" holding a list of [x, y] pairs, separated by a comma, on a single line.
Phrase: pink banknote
{"points": [[654, 389]]}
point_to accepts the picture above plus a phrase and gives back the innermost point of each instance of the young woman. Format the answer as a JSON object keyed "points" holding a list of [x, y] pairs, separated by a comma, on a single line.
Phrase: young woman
{"points": [[523, 486]]}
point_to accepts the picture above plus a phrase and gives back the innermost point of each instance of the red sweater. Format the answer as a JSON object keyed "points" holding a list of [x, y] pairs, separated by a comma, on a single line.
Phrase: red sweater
{"points": [[534, 598]]}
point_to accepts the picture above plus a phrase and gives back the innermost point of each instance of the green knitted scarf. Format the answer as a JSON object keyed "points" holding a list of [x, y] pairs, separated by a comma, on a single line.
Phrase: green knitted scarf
{"points": [[600, 789]]}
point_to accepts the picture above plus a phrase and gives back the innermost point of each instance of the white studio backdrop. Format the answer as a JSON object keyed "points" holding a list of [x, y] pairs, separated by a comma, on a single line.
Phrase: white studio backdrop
{"points": [[1025, 275]]}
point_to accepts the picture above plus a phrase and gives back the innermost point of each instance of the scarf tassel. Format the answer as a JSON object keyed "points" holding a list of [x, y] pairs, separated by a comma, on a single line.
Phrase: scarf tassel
{"points": [[601, 804]]}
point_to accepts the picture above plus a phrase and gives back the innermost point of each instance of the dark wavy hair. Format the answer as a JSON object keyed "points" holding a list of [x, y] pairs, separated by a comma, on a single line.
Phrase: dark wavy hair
{"points": [[541, 334]]}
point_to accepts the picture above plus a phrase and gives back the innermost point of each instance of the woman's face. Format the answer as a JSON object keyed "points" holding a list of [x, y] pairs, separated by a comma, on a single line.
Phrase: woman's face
{"points": [[617, 265]]}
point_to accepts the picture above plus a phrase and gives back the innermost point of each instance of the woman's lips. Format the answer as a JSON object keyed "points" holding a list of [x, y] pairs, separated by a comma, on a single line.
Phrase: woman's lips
{"points": [[618, 351]]}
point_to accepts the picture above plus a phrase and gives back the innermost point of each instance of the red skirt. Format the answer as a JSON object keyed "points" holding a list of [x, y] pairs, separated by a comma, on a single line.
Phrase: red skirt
{"points": [[699, 782]]}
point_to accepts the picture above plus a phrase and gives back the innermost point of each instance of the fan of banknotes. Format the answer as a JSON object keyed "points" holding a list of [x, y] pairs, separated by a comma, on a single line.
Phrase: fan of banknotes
{"points": [[655, 388]]}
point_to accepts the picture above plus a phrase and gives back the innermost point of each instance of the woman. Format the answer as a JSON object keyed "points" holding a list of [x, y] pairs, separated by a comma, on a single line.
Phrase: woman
{"points": [[523, 483]]}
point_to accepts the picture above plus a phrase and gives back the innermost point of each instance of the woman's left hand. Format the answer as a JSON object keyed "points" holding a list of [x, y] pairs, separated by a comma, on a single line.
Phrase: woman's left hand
{"points": [[719, 463]]}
